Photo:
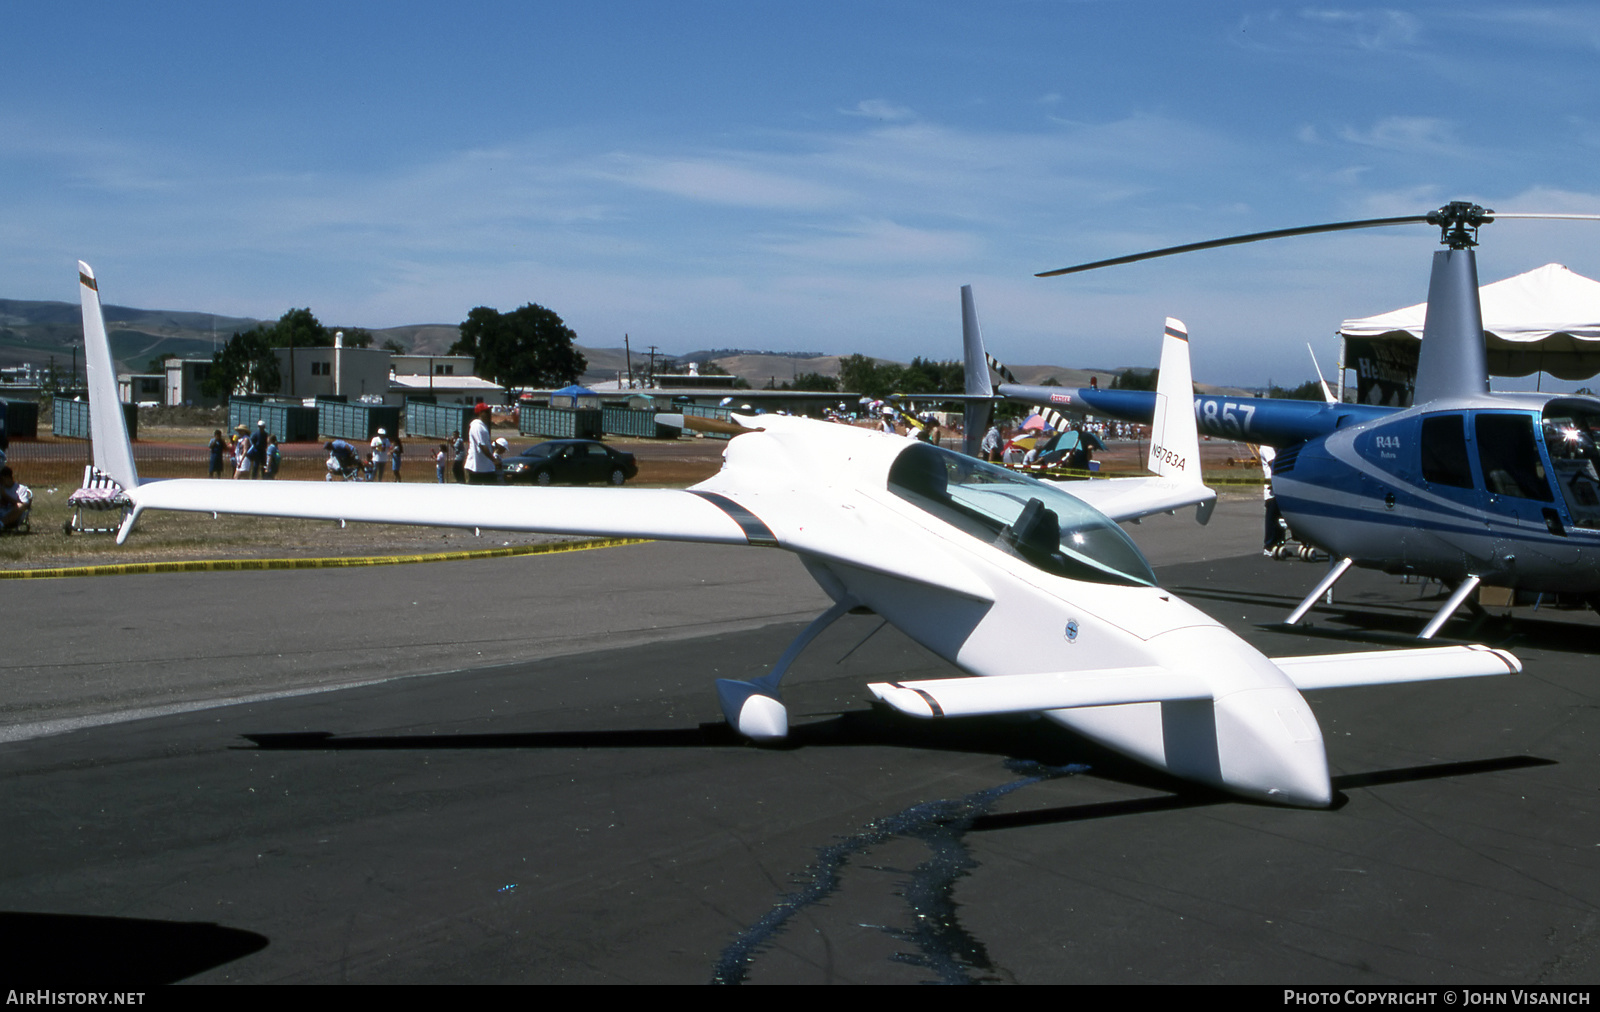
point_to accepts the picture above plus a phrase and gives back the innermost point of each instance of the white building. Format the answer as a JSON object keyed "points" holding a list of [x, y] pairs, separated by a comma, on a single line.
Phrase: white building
{"points": [[322, 372]]}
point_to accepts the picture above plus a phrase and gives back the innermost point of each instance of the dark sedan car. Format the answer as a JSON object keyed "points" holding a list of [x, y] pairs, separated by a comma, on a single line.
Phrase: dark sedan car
{"points": [[572, 461]]}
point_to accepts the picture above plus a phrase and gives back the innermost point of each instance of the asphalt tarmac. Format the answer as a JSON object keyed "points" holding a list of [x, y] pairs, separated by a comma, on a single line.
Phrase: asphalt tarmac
{"points": [[515, 771]]}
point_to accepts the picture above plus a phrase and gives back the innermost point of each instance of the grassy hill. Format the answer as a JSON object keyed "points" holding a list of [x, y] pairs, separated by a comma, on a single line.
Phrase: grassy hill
{"points": [[35, 331]]}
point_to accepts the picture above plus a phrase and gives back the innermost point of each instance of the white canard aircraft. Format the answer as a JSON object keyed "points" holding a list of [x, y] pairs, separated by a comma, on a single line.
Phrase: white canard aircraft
{"points": [[1024, 582]]}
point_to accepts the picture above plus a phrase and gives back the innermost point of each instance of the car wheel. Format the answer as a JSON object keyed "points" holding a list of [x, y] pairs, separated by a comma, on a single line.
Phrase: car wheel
{"points": [[617, 477], [543, 478]]}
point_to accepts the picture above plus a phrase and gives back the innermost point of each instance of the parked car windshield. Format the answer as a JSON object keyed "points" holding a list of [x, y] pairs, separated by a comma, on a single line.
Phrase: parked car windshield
{"points": [[1034, 521]]}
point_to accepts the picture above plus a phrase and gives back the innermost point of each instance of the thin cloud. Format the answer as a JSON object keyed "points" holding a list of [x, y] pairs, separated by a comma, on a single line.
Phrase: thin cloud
{"points": [[884, 243], [877, 108], [724, 182], [1424, 135], [1330, 29]]}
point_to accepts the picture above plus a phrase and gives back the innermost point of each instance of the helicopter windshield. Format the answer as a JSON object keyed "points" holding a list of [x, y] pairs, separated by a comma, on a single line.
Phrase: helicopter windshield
{"points": [[1570, 434], [1036, 522]]}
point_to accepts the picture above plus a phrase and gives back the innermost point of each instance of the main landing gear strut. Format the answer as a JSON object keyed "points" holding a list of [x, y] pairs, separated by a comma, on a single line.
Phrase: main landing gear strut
{"points": [[1457, 598], [754, 708]]}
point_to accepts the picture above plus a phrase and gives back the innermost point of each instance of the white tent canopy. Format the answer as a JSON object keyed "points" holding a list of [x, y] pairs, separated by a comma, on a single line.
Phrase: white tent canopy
{"points": [[1547, 320]]}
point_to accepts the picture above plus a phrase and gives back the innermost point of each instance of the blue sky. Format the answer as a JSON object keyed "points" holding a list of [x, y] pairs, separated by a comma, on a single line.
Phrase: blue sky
{"points": [[793, 176]]}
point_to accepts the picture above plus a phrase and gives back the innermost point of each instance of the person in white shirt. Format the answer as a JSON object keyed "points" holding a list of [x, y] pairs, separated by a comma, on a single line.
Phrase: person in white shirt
{"points": [[480, 449], [380, 453]]}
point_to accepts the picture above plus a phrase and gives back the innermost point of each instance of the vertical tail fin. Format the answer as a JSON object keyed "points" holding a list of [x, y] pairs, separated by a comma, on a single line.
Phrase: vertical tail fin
{"points": [[113, 451], [1174, 436], [976, 413], [1327, 391], [1452, 361]]}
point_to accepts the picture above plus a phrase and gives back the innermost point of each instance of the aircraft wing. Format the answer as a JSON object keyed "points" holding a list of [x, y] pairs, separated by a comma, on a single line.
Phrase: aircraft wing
{"points": [[1385, 667], [664, 514], [1032, 693], [976, 697], [1132, 498]]}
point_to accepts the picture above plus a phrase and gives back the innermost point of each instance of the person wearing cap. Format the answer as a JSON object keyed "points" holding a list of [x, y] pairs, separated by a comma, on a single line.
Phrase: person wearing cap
{"points": [[480, 464], [241, 451], [258, 448], [499, 452], [380, 453]]}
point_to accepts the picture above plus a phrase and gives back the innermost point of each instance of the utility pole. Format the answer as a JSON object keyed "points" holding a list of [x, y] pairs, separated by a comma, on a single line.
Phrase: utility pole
{"points": [[628, 357]]}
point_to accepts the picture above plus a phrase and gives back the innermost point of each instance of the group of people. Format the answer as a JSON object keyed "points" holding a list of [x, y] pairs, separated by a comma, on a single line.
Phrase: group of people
{"points": [[253, 454], [383, 456], [1072, 448], [474, 460]]}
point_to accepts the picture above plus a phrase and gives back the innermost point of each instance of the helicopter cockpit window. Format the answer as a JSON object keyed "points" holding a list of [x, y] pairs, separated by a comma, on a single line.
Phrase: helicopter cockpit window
{"points": [[1036, 522], [1510, 457], [1444, 451], [1570, 435]]}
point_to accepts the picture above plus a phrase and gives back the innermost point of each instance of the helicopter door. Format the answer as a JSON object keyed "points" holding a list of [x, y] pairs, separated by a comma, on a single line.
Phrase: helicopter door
{"points": [[1516, 479], [1570, 430], [1446, 466]]}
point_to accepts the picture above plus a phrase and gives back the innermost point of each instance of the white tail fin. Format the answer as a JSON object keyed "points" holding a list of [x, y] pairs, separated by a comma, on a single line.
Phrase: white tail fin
{"points": [[113, 451], [1327, 391], [976, 414], [1174, 437]]}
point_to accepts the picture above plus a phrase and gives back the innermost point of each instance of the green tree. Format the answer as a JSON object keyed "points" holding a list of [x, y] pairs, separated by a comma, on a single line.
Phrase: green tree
{"points": [[862, 375], [247, 364], [815, 381], [1135, 379], [525, 347], [1310, 390], [925, 376], [298, 328]]}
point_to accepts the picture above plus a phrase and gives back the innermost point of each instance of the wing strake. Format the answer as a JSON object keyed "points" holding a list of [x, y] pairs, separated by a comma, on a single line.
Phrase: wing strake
{"points": [[760, 534]]}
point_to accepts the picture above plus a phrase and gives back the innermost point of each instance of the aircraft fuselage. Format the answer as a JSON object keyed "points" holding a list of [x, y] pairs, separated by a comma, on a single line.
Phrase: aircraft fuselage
{"points": [[1504, 490]]}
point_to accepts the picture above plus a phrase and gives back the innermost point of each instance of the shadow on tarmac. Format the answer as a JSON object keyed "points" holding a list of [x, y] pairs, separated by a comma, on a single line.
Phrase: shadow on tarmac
{"points": [[1017, 739], [79, 953]]}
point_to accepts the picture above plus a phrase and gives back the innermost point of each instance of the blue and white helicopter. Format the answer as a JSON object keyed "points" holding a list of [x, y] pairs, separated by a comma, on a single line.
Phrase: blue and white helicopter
{"points": [[1465, 486]]}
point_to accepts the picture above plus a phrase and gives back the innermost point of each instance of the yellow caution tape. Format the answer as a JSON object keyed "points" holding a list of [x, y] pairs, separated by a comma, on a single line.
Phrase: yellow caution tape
{"points": [[229, 565]]}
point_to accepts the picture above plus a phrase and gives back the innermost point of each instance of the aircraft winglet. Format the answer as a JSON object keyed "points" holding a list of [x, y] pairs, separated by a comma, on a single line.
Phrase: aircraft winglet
{"points": [[113, 451]]}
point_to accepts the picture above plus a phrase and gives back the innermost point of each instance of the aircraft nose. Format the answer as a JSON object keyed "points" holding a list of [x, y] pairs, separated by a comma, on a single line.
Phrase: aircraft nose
{"points": [[1269, 747]]}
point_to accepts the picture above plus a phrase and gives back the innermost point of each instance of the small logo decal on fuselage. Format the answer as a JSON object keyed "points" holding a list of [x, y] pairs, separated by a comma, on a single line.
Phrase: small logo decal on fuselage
{"points": [[1072, 631]]}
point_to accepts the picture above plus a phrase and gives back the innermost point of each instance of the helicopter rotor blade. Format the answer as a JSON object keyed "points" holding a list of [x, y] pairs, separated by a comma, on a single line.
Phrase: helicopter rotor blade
{"points": [[1282, 233], [1553, 217]]}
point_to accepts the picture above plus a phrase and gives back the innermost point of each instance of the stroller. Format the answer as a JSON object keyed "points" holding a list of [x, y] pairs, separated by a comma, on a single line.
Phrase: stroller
{"points": [[343, 462]]}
